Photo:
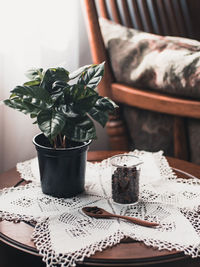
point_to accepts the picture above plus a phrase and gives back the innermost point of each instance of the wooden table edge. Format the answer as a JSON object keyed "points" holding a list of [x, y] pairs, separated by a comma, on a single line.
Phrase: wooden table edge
{"points": [[98, 262]]}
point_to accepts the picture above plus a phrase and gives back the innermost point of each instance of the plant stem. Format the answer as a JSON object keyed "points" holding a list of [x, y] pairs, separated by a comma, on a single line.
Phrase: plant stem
{"points": [[64, 141], [54, 143], [60, 137]]}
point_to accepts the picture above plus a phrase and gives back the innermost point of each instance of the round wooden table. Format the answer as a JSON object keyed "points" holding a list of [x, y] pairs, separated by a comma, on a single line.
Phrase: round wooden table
{"points": [[17, 249]]}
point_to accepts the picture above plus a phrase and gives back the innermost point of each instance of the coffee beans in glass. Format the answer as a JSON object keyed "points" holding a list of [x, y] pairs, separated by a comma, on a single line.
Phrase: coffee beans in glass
{"points": [[125, 178]]}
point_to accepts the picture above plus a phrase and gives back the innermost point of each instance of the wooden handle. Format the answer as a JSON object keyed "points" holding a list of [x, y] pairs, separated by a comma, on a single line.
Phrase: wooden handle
{"points": [[136, 220]]}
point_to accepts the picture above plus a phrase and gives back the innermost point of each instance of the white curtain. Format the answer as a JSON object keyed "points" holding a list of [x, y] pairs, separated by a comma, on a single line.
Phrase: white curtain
{"points": [[39, 33]]}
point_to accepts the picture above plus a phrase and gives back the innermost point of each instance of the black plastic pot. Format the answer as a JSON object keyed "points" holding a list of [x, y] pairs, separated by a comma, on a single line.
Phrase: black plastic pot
{"points": [[62, 170]]}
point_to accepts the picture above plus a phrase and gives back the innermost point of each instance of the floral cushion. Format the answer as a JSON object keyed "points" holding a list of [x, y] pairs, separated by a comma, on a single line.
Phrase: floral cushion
{"points": [[150, 61]]}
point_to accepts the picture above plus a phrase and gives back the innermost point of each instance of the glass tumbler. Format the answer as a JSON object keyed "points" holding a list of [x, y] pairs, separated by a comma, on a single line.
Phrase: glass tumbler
{"points": [[125, 178]]}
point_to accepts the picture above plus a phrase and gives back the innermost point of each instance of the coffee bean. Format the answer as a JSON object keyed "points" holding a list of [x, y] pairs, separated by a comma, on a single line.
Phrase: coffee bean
{"points": [[125, 185]]}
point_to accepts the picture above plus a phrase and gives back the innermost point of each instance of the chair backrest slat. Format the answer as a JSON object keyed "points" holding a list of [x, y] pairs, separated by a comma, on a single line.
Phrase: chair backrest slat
{"points": [[127, 16], [148, 26], [190, 9], [137, 15], [103, 9], [163, 16], [180, 19], [157, 18], [172, 17], [115, 11]]}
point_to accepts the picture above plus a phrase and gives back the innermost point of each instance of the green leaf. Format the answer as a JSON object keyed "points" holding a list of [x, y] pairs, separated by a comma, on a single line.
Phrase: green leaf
{"points": [[32, 83], [105, 104], [52, 75], [83, 99], [57, 85], [101, 109], [67, 94], [34, 92], [22, 106], [36, 96], [15, 104], [33, 115], [57, 93], [50, 123], [67, 111], [34, 74], [78, 72], [99, 116], [58, 98], [80, 130], [92, 76]]}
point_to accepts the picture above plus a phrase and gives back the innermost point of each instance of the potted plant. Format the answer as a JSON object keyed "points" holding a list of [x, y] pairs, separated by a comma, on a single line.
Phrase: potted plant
{"points": [[64, 111]]}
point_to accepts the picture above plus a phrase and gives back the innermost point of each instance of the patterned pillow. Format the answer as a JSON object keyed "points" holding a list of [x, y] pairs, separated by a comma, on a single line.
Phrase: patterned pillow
{"points": [[150, 61]]}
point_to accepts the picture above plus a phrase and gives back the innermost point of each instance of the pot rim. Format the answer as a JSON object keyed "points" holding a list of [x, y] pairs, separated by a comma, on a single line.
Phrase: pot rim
{"points": [[60, 148]]}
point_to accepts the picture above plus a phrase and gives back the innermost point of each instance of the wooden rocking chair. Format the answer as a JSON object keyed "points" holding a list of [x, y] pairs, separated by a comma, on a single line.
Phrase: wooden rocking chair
{"points": [[170, 18]]}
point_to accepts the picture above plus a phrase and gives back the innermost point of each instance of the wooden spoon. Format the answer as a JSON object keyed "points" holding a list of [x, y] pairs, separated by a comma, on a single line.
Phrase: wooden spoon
{"points": [[97, 212]]}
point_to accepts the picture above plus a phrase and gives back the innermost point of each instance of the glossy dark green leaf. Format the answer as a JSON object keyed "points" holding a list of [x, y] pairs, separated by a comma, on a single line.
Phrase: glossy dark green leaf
{"points": [[80, 130], [15, 104], [99, 116], [34, 74], [100, 111], [22, 106], [50, 123], [34, 92], [78, 72], [58, 93], [67, 111], [58, 85], [83, 98], [32, 83], [32, 115], [80, 92], [30, 98], [92, 76], [67, 94], [105, 104], [80, 99], [52, 75], [58, 99]]}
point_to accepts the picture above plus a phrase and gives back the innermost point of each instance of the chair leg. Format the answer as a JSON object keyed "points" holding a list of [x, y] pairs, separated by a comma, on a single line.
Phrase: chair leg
{"points": [[180, 139]]}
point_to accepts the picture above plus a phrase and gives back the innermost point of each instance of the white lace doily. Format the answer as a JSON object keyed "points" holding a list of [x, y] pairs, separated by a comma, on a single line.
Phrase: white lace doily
{"points": [[64, 234]]}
